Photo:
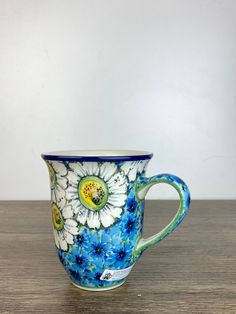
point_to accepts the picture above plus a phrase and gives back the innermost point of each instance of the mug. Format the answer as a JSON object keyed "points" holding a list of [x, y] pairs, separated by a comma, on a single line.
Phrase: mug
{"points": [[97, 200]]}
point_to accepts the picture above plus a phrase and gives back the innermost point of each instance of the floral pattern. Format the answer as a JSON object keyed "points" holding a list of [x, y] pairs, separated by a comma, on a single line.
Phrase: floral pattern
{"points": [[131, 169], [96, 192], [57, 173], [97, 219], [65, 227], [97, 215]]}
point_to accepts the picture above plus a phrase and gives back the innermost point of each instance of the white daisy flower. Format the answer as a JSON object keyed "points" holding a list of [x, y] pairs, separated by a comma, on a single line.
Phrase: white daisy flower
{"points": [[65, 227], [96, 192], [57, 173], [132, 168]]}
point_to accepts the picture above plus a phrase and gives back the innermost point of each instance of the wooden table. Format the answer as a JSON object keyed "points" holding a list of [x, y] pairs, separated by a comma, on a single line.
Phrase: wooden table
{"points": [[191, 271]]}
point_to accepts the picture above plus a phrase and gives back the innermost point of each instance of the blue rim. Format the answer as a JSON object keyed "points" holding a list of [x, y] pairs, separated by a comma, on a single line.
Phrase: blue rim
{"points": [[53, 156]]}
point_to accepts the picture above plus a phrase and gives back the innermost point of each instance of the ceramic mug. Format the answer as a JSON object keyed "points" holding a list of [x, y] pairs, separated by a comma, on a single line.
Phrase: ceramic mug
{"points": [[97, 200]]}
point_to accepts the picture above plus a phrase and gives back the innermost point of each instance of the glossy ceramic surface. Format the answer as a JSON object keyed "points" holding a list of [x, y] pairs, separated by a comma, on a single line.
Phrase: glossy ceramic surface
{"points": [[97, 213]]}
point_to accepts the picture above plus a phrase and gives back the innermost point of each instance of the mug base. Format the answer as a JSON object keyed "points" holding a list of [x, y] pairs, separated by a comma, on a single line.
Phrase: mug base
{"points": [[98, 289]]}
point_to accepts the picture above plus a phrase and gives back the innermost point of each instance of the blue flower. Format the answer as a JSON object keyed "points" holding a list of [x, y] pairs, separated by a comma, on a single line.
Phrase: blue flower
{"points": [[120, 248], [78, 276], [120, 256], [81, 261], [98, 249], [77, 259], [131, 205], [99, 244], [82, 238], [74, 274], [97, 278], [123, 252], [94, 277], [130, 225]]}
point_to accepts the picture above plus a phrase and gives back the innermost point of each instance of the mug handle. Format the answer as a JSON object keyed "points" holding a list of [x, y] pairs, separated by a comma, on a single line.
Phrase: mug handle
{"points": [[142, 188]]}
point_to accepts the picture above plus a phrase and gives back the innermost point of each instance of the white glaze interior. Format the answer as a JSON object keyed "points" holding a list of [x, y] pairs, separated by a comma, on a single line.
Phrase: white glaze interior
{"points": [[98, 153]]}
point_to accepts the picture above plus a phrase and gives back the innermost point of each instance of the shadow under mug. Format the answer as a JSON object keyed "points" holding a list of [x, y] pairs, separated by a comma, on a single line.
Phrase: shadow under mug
{"points": [[97, 200]]}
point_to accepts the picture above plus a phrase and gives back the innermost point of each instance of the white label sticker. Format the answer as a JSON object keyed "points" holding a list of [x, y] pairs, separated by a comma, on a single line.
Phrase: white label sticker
{"points": [[115, 274]]}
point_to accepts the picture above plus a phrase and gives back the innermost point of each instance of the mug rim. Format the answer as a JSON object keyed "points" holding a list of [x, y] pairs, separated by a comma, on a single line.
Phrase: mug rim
{"points": [[97, 155]]}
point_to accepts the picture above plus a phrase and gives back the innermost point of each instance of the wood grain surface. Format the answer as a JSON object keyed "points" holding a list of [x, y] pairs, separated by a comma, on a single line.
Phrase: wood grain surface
{"points": [[191, 271]]}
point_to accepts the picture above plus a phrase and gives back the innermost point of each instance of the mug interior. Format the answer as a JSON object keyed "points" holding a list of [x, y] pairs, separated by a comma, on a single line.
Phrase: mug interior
{"points": [[95, 155]]}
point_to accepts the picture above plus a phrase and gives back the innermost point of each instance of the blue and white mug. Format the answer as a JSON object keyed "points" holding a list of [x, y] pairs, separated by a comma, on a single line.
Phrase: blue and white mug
{"points": [[97, 200]]}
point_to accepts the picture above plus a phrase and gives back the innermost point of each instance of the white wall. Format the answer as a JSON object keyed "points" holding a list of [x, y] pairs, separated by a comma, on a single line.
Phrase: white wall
{"points": [[155, 75]]}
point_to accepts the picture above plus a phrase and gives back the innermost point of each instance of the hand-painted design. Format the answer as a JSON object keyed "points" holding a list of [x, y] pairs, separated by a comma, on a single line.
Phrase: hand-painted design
{"points": [[65, 227], [93, 192], [96, 192], [93, 251], [121, 254], [97, 214], [112, 248], [142, 186], [132, 168], [57, 174], [58, 221]]}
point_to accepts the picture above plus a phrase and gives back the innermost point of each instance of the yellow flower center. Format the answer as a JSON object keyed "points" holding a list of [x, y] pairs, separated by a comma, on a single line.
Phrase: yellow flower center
{"points": [[93, 192], [57, 218]]}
